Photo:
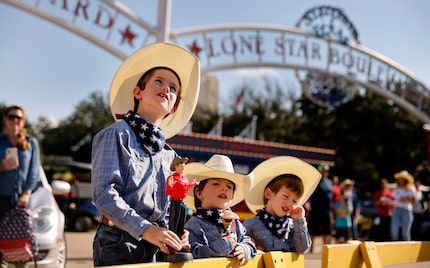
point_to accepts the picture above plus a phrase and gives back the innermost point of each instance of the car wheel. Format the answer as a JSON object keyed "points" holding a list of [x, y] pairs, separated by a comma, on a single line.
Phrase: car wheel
{"points": [[82, 223]]}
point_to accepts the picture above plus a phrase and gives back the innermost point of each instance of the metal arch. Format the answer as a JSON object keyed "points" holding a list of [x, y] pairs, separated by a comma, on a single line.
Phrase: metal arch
{"points": [[166, 33], [369, 84], [72, 28]]}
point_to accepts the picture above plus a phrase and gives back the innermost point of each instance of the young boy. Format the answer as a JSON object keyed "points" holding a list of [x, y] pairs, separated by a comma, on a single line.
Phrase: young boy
{"points": [[219, 188], [157, 89], [281, 185], [343, 221]]}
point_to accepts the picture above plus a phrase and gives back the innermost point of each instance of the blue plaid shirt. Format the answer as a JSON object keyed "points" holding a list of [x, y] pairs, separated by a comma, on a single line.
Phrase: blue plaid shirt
{"points": [[298, 239], [207, 241], [129, 185]]}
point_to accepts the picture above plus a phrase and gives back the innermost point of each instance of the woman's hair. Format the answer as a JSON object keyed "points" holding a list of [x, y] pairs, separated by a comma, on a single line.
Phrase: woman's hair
{"points": [[290, 181], [200, 187], [22, 142], [144, 79]]}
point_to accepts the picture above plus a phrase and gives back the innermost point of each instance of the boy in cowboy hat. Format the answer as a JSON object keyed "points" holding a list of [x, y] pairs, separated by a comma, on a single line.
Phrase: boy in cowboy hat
{"points": [[282, 184], [404, 198], [219, 188], [153, 95]]}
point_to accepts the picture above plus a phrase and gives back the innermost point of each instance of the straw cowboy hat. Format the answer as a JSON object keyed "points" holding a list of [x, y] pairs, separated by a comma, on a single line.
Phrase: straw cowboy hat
{"points": [[218, 166], [275, 166], [176, 161], [404, 175], [185, 64]]}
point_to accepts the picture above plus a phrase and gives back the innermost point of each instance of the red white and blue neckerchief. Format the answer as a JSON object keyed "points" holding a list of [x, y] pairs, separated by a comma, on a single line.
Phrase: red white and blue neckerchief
{"points": [[279, 227], [211, 215], [150, 136]]}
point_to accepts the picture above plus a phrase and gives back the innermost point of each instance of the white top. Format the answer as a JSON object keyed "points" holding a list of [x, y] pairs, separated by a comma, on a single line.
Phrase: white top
{"points": [[403, 192]]}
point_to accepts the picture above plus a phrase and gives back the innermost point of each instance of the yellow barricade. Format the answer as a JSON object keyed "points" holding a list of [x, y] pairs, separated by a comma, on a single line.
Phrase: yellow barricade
{"points": [[374, 254], [274, 259]]}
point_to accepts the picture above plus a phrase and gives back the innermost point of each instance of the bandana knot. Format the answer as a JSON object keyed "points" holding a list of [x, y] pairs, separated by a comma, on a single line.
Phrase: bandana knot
{"points": [[277, 226], [151, 137], [211, 215]]}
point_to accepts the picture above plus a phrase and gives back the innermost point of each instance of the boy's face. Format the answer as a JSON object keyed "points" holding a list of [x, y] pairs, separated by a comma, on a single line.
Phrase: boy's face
{"points": [[216, 194], [281, 203], [158, 97]]}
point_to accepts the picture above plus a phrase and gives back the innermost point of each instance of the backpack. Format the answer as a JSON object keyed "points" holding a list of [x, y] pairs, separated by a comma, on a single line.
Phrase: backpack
{"points": [[17, 240]]}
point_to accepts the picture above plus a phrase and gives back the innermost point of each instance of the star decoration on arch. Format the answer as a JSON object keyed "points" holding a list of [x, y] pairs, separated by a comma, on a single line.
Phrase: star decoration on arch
{"points": [[127, 35], [195, 49]]}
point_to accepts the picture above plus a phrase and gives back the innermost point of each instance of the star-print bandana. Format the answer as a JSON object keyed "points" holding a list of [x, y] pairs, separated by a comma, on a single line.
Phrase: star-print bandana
{"points": [[278, 226], [150, 136], [211, 215]]}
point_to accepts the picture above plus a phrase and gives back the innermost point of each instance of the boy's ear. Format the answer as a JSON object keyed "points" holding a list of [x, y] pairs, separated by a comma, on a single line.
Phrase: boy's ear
{"points": [[267, 193]]}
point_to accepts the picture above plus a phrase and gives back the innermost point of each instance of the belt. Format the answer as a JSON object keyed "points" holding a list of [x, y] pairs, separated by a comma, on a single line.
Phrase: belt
{"points": [[109, 223]]}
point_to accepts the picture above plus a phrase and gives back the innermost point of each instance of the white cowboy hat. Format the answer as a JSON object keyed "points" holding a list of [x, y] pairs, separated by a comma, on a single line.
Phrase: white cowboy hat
{"points": [[185, 64], [404, 174], [218, 166], [275, 166]]}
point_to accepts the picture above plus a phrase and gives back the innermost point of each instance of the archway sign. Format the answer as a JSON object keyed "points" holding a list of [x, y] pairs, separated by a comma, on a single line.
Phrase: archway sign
{"points": [[327, 58]]}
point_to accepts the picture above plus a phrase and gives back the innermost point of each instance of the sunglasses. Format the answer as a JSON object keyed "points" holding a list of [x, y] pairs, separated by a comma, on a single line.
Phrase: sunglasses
{"points": [[13, 117]]}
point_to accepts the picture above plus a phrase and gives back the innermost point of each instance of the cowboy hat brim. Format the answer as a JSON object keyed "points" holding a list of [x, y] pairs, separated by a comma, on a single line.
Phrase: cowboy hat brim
{"points": [[275, 166], [184, 63], [404, 175], [200, 171]]}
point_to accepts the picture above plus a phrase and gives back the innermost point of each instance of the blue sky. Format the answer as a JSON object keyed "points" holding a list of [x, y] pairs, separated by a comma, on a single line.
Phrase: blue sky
{"points": [[49, 70]]}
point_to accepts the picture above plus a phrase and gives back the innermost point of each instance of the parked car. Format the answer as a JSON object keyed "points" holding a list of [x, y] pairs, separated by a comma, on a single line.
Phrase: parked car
{"points": [[48, 223], [77, 205]]}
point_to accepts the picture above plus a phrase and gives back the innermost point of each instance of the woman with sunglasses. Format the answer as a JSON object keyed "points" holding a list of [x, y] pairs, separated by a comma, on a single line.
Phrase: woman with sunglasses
{"points": [[19, 166]]}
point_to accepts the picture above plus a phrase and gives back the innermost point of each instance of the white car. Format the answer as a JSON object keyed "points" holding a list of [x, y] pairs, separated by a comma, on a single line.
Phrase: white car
{"points": [[48, 223]]}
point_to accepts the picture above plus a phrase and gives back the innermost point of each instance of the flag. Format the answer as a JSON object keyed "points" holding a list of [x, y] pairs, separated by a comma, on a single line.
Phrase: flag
{"points": [[217, 129], [250, 131], [239, 98]]}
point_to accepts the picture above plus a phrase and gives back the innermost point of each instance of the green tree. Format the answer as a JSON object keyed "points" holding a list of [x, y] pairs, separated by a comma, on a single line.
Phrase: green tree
{"points": [[73, 136]]}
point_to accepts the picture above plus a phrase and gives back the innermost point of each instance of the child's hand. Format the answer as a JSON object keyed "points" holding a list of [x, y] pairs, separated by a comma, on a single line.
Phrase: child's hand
{"points": [[239, 253], [185, 239], [231, 239], [298, 213]]}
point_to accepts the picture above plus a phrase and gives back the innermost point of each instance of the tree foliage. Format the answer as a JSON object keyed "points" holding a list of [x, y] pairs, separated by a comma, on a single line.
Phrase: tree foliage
{"points": [[372, 137]]}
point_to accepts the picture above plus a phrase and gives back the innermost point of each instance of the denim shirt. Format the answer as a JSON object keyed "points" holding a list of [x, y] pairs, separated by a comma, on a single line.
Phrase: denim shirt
{"points": [[129, 184], [26, 177], [297, 240], [207, 241]]}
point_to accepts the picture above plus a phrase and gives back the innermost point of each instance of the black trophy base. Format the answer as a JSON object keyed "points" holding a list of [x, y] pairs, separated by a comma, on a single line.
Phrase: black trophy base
{"points": [[179, 256]]}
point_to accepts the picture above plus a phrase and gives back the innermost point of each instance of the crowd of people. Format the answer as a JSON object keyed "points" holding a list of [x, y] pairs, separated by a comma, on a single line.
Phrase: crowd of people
{"points": [[334, 209]]}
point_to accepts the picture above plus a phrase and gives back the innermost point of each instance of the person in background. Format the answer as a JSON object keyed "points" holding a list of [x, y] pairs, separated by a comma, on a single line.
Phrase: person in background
{"points": [[19, 173], [418, 210], [336, 189], [218, 189], [281, 185], [320, 222], [404, 198], [384, 200], [343, 223], [153, 95], [347, 186]]}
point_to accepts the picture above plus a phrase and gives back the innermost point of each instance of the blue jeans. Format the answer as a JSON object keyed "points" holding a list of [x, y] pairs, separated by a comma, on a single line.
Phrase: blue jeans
{"points": [[114, 247], [401, 218]]}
